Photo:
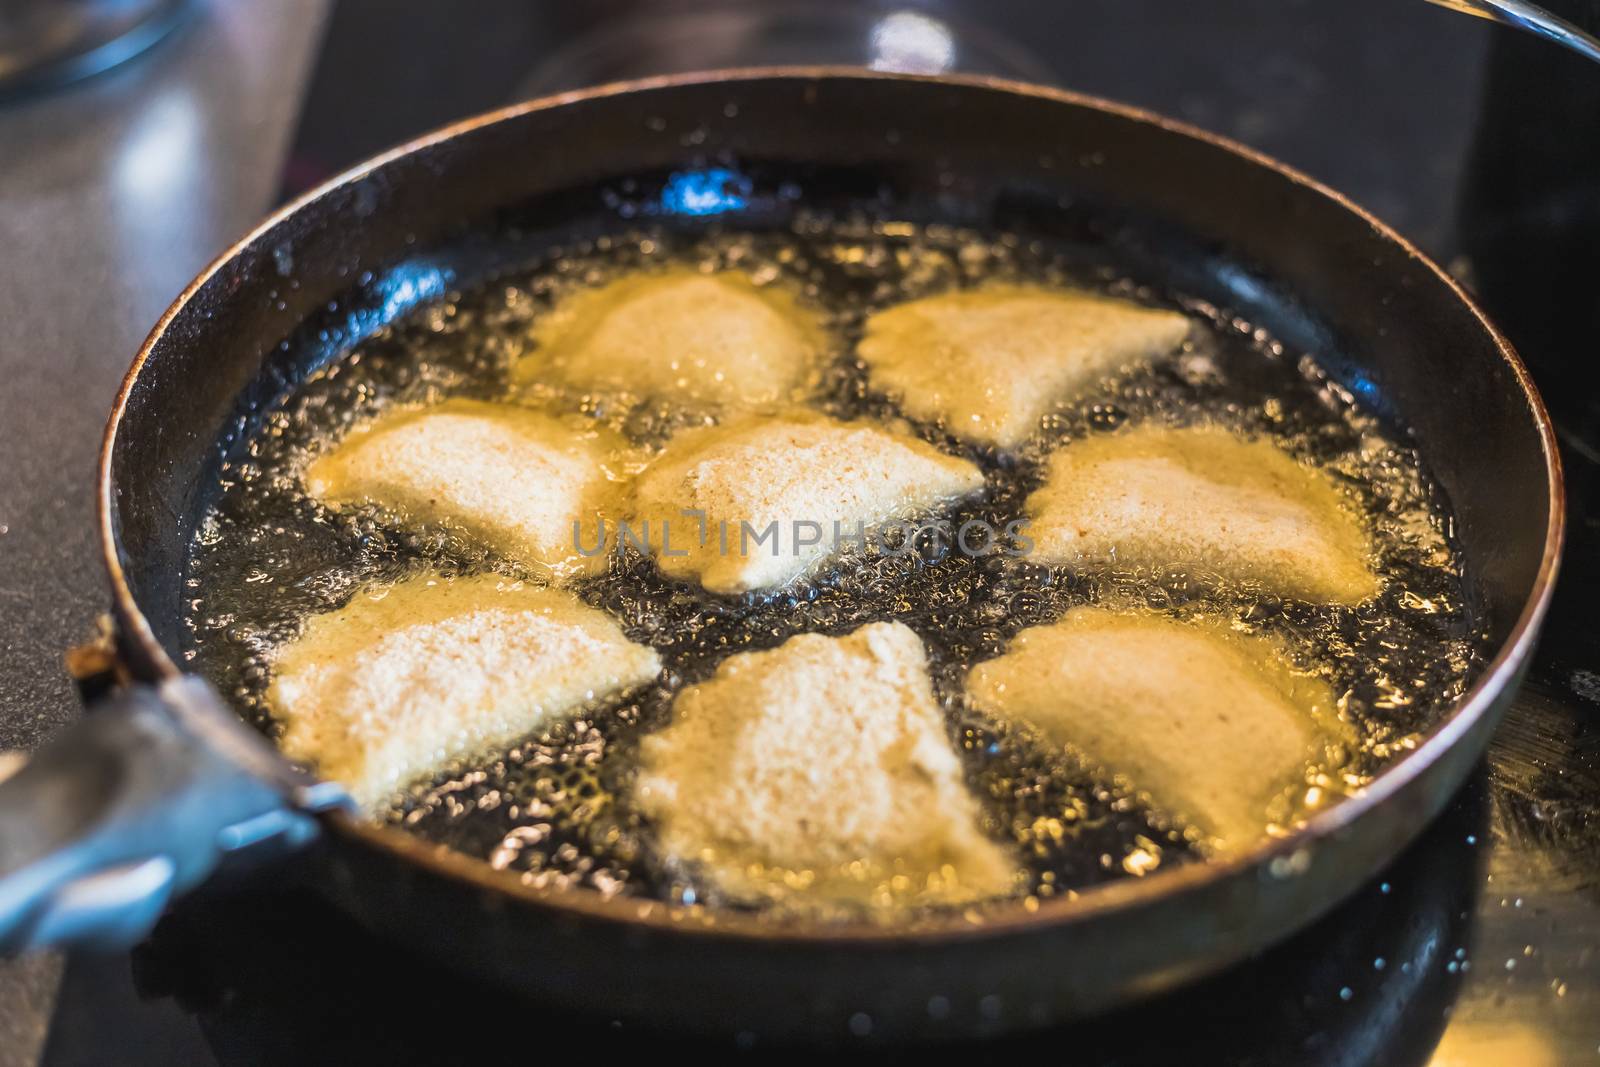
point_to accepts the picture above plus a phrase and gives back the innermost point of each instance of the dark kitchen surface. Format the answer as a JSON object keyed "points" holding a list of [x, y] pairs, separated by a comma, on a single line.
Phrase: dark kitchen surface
{"points": [[1481, 945], [112, 195]]}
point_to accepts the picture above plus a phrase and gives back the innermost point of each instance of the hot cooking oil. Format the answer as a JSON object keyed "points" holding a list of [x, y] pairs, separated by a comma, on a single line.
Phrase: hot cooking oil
{"points": [[554, 810]]}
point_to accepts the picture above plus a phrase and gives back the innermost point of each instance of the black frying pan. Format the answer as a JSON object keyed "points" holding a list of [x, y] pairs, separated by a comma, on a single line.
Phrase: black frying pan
{"points": [[142, 799]]}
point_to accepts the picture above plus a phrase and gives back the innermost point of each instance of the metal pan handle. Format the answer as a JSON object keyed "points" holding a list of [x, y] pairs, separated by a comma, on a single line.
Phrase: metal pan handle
{"points": [[136, 803]]}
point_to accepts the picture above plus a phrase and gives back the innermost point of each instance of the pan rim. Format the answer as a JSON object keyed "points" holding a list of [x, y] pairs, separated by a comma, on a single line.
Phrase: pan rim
{"points": [[1002, 918]]}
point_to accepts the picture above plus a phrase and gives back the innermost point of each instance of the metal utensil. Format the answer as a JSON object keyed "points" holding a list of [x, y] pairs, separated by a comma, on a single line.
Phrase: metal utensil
{"points": [[1534, 19]]}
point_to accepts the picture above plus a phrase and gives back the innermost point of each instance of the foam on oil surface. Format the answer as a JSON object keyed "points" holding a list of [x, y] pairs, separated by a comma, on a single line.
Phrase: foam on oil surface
{"points": [[555, 808]]}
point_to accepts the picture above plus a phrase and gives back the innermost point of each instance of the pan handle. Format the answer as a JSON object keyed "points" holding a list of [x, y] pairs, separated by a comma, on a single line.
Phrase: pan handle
{"points": [[134, 804]]}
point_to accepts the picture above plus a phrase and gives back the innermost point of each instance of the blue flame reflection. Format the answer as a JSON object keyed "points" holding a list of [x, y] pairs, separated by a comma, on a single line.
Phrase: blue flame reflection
{"points": [[712, 191]]}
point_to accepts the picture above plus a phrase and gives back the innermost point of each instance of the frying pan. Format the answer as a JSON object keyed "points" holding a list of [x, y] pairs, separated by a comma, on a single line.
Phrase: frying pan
{"points": [[162, 783]]}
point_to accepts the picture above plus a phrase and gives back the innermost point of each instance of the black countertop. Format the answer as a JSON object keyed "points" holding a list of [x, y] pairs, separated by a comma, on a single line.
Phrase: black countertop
{"points": [[1481, 945]]}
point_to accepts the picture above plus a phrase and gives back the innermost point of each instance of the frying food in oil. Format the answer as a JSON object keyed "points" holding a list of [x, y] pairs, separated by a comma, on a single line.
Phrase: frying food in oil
{"points": [[777, 495], [705, 340], [821, 766], [1233, 596], [407, 676], [1206, 499], [515, 479], [1215, 726], [986, 364]]}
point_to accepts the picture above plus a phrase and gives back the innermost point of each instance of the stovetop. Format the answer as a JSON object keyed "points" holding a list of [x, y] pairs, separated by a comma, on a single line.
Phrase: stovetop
{"points": [[1480, 945]]}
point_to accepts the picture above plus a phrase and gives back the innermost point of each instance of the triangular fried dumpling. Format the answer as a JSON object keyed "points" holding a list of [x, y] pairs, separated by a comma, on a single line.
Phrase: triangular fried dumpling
{"points": [[406, 677], [705, 340], [1214, 725], [514, 478], [988, 363], [1203, 498], [762, 476], [821, 767]]}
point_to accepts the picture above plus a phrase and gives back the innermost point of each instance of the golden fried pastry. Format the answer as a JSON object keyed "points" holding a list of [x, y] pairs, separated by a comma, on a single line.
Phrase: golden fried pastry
{"points": [[1202, 498], [804, 481], [406, 677], [513, 478], [988, 363], [821, 766], [707, 340], [1215, 726]]}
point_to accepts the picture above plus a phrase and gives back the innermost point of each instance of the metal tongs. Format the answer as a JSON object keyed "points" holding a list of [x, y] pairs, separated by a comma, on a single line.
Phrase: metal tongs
{"points": [[1530, 17]]}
